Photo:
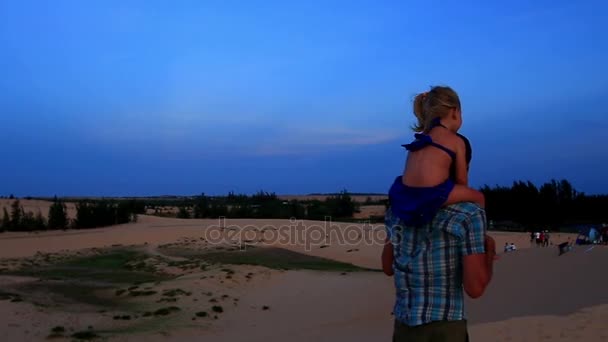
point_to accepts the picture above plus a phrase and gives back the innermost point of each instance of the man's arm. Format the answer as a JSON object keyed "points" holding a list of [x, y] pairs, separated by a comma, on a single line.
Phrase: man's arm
{"points": [[478, 269], [387, 258], [479, 252]]}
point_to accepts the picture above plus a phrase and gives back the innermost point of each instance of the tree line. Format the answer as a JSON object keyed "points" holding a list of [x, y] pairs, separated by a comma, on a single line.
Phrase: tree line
{"points": [[522, 205], [555, 204], [267, 205], [89, 214]]}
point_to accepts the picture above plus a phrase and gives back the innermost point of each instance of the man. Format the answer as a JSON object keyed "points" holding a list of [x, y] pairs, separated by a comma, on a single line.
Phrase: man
{"points": [[431, 265], [564, 247]]}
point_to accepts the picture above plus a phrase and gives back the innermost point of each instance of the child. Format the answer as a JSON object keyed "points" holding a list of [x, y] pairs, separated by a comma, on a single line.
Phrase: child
{"points": [[436, 171]]}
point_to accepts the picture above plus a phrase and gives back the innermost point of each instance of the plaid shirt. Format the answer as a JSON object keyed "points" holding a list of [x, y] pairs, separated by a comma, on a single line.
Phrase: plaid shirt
{"points": [[428, 262]]}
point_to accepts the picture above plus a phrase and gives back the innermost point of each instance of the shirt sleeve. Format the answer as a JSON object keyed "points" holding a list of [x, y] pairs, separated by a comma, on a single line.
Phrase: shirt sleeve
{"points": [[474, 232], [389, 223]]}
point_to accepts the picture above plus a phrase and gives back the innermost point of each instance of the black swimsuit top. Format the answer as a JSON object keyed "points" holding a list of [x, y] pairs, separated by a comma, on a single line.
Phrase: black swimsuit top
{"points": [[424, 140]]}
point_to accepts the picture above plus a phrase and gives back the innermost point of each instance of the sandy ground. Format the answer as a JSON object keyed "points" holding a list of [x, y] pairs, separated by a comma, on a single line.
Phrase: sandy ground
{"points": [[535, 295]]}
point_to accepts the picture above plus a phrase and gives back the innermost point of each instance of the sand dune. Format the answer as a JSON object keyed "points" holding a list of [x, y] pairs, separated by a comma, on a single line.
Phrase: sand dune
{"points": [[537, 281], [535, 295]]}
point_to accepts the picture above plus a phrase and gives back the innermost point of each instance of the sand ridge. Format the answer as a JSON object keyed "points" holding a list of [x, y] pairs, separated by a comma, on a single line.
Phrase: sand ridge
{"points": [[558, 294]]}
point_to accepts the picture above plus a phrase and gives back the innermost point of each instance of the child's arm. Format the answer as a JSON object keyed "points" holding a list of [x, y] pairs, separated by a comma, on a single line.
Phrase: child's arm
{"points": [[462, 172], [461, 191]]}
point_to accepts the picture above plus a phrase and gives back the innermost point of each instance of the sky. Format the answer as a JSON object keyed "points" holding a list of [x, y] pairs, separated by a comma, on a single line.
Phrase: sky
{"points": [[134, 98]]}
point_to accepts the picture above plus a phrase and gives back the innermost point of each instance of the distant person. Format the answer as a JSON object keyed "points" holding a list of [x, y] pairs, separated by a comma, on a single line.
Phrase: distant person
{"points": [[546, 239], [564, 247], [512, 247], [436, 153], [432, 264], [532, 238], [537, 238], [507, 247]]}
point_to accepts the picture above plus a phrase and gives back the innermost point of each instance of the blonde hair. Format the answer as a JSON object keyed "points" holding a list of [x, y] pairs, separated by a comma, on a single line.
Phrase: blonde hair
{"points": [[435, 103]]}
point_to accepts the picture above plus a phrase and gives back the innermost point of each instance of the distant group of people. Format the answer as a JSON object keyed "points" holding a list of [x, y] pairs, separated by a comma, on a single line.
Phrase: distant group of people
{"points": [[540, 238], [510, 247]]}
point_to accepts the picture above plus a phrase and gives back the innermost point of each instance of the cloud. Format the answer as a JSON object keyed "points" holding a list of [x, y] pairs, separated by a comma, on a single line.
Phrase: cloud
{"points": [[216, 135], [306, 140]]}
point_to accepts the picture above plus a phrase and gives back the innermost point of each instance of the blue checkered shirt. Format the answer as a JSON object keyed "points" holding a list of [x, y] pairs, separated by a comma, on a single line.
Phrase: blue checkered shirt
{"points": [[428, 262]]}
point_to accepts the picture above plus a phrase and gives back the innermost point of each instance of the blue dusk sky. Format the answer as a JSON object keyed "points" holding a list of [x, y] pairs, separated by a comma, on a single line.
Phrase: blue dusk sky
{"points": [[130, 98]]}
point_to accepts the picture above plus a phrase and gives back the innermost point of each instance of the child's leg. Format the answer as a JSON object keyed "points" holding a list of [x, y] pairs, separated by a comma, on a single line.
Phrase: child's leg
{"points": [[462, 193]]}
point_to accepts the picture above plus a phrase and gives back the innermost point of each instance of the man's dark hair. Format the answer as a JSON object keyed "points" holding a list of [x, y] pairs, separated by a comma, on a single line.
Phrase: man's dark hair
{"points": [[469, 156], [467, 145]]}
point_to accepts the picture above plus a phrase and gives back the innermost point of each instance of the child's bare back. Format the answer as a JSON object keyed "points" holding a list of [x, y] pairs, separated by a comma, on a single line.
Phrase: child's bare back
{"points": [[431, 166]]}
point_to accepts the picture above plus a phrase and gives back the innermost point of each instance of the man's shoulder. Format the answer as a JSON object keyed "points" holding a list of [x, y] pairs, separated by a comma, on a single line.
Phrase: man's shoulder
{"points": [[463, 210], [465, 214]]}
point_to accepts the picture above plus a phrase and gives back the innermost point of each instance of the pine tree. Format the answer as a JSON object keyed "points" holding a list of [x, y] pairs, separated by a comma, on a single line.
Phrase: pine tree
{"points": [[201, 207], [6, 221], [183, 213], [58, 218], [40, 221], [28, 222], [16, 215]]}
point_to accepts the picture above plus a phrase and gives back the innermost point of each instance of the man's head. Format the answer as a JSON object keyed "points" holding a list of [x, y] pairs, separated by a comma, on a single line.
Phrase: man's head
{"points": [[467, 145]]}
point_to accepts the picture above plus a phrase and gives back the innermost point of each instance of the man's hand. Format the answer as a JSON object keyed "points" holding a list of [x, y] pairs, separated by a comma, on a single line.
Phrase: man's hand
{"points": [[490, 246], [387, 258]]}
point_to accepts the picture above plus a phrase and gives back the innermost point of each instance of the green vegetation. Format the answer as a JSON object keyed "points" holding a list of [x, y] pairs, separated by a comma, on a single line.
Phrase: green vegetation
{"points": [[58, 330], [89, 214], [101, 213], [109, 267], [278, 258], [183, 213], [20, 220], [85, 335], [166, 311], [142, 293], [58, 217], [74, 291], [261, 205], [6, 221], [556, 204], [175, 293]]}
